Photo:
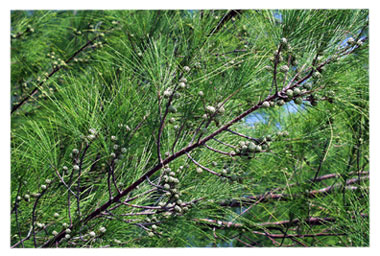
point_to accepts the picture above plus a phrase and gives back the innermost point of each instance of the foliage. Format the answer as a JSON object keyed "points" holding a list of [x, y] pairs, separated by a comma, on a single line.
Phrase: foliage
{"points": [[175, 128]]}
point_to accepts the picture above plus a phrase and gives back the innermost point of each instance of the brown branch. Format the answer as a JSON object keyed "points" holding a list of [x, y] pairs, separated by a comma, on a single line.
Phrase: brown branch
{"points": [[203, 167], [284, 197], [276, 61], [243, 135], [162, 121], [225, 19], [224, 143], [24, 239], [55, 70], [219, 151], [279, 236], [34, 216]]}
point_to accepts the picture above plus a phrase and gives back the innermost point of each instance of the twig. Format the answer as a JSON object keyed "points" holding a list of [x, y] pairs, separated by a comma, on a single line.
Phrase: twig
{"points": [[219, 151], [24, 239], [278, 236], [243, 135], [203, 167], [56, 69], [225, 144], [34, 216]]}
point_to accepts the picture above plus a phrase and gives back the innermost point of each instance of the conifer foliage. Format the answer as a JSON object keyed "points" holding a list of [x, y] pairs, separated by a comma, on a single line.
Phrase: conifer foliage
{"points": [[179, 128]]}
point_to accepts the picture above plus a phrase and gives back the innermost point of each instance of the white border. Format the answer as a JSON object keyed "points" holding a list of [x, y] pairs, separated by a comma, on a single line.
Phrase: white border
{"points": [[193, 4]]}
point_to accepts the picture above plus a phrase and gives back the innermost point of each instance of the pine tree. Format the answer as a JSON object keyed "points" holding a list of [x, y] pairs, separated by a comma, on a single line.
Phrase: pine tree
{"points": [[176, 128]]}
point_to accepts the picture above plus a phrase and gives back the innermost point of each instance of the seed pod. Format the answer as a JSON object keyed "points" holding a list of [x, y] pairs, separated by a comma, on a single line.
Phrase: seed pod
{"points": [[296, 91], [284, 40], [268, 68], [56, 215], [210, 109], [200, 93], [289, 92], [351, 41], [92, 234], [75, 151], [183, 79], [67, 236], [284, 68], [221, 109], [43, 187], [316, 74], [54, 233], [113, 138], [266, 104], [172, 109], [93, 131], [168, 93], [251, 147], [35, 195], [178, 208], [167, 186], [298, 101], [280, 102], [199, 170], [307, 86], [68, 231], [186, 68], [91, 137], [182, 85]]}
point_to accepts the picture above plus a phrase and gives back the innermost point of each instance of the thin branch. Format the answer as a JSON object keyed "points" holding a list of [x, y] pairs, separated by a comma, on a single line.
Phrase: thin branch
{"points": [[24, 239], [284, 197], [219, 151], [225, 144], [34, 216], [243, 135], [278, 236], [203, 167], [56, 69]]}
